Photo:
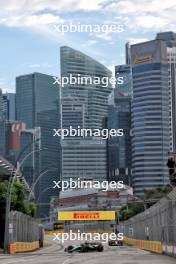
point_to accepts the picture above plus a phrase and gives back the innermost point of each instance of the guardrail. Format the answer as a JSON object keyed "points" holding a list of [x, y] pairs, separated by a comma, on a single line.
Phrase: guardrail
{"points": [[25, 233], [51, 232], [23, 247], [153, 246], [155, 228]]}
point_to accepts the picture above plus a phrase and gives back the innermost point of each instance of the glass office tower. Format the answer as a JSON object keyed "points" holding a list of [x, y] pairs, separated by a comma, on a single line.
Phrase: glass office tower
{"points": [[72, 113], [124, 71], [150, 115], [119, 148], [84, 105], [119, 116], [37, 105], [95, 96], [9, 106], [1, 104], [2, 128], [170, 41], [84, 158]]}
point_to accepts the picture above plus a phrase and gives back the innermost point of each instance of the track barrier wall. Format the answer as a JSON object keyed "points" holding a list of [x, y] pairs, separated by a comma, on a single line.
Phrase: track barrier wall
{"points": [[25, 233], [153, 246], [155, 228], [23, 247]]}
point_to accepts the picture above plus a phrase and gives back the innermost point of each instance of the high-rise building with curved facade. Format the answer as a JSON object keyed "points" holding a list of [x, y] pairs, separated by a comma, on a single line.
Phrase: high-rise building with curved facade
{"points": [[93, 96], [84, 158]]}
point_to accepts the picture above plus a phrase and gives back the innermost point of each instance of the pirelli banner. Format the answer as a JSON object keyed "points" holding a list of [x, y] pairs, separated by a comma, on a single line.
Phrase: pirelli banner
{"points": [[86, 215]]}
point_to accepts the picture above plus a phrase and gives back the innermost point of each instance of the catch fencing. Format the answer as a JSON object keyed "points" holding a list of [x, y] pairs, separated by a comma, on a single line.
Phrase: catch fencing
{"points": [[24, 231], [158, 223]]}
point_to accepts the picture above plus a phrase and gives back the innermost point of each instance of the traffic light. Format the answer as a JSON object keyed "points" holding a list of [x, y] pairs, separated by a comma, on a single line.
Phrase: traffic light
{"points": [[171, 166], [173, 179]]}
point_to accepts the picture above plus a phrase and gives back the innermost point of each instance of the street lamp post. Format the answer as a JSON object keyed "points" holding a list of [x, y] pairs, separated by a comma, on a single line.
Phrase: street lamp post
{"points": [[38, 178], [46, 189]]}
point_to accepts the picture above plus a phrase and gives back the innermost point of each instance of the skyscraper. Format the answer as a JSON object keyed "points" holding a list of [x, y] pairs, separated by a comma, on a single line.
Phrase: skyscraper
{"points": [[37, 105], [119, 148], [94, 96], [8, 105], [5, 107], [72, 112], [124, 89], [119, 116], [2, 128], [1, 104], [150, 115], [84, 105], [170, 41], [84, 158]]}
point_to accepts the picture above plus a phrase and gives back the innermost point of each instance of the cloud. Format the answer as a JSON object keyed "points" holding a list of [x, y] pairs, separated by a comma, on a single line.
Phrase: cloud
{"points": [[143, 14], [151, 22], [140, 6], [134, 14], [104, 35], [30, 6], [4, 85], [31, 20], [136, 40], [42, 15], [42, 65], [89, 43], [92, 42]]}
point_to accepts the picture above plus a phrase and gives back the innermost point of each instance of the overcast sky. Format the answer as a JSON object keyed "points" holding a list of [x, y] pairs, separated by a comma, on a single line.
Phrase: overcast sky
{"points": [[30, 42]]}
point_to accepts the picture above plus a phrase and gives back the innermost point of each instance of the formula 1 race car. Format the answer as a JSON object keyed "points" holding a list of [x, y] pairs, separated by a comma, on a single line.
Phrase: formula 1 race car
{"points": [[85, 247], [115, 242]]}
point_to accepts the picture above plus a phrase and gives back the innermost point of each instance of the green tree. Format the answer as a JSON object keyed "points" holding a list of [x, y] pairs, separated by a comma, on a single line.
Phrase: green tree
{"points": [[131, 210], [149, 198], [156, 193], [19, 201]]}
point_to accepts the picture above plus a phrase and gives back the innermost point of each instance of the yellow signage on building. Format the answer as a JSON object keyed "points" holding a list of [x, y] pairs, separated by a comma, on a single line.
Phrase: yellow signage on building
{"points": [[142, 59], [86, 215]]}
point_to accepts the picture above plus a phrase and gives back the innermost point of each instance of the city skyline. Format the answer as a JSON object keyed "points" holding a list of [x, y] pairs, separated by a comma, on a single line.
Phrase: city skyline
{"points": [[88, 131], [30, 27], [74, 61]]}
